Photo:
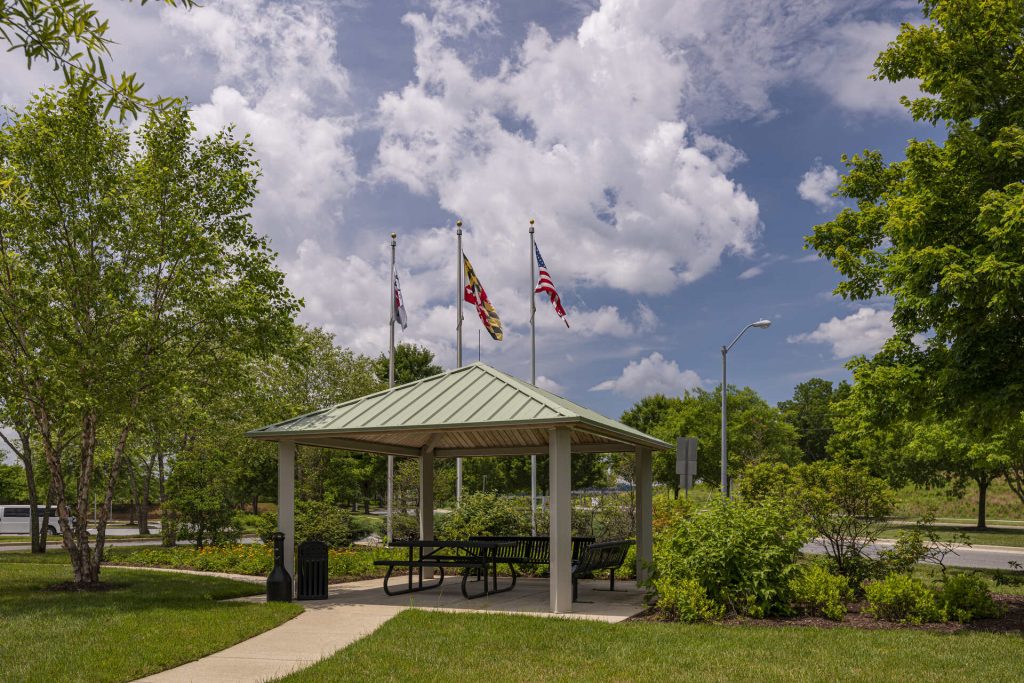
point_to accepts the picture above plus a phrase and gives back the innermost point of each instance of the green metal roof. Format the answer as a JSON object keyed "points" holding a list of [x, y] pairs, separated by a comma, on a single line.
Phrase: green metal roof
{"points": [[468, 410]]}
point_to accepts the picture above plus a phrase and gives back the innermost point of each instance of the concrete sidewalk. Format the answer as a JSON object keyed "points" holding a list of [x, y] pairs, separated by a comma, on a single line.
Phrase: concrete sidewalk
{"points": [[356, 609], [318, 632]]}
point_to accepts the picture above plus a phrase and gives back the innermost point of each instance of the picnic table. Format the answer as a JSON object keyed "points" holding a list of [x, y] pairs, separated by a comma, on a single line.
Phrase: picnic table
{"points": [[474, 558]]}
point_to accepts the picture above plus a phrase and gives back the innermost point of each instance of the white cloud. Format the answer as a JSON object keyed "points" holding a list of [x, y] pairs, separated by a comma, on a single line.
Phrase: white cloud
{"points": [[753, 271], [841, 64], [651, 375], [642, 202], [550, 385], [739, 51], [818, 184], [277, 79], [863, 332]]}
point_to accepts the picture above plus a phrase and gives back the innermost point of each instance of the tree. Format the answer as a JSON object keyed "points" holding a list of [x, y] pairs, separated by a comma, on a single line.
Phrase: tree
{"points": [[127, 272], [70, 35], [809, 411], [412, 363], [757, 432], [941, 231], [881, 424], [13, 488]]}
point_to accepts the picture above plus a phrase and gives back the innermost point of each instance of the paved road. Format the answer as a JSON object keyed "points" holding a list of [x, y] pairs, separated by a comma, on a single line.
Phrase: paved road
{"points": [[975, 557]]}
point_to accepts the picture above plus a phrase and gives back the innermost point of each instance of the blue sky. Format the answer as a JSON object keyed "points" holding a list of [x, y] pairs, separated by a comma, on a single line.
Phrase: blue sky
{"points": [[673, 153]]}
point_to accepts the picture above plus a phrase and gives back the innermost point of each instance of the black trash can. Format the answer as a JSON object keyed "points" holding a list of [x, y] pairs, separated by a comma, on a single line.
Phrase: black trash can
{"points": [[313, 571]]}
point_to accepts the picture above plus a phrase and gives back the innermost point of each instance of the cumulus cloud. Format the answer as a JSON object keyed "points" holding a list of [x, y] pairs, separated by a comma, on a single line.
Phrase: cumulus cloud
{"points": [[277, 79], [863, 332], [818, 184], [551, 385], [651, 375], [739, 51], [642, 201]]}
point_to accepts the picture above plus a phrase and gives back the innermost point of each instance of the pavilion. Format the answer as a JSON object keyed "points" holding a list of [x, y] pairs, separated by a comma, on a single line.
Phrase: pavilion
{"points": [[473, 411]]}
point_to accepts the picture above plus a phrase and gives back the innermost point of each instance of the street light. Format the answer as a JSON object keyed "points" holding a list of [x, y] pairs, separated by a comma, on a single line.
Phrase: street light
{"points": [[761, 325]]}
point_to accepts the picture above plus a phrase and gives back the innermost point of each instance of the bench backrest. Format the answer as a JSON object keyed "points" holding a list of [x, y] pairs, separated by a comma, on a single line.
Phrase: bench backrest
{"points": [[606, 555], [533, 549]]}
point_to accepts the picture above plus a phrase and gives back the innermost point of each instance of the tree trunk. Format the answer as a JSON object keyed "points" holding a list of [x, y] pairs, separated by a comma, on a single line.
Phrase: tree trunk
{"points": [[25, 455], [144, 503], [133, 486], [44, 538], [982, 493], [255, 505]]}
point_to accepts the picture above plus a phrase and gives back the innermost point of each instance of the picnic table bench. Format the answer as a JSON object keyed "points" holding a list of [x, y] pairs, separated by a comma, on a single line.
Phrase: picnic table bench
{"points": [[473, 557]]}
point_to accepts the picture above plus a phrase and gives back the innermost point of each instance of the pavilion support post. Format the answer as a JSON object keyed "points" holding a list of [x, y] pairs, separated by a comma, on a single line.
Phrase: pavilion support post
{"points": [[286, 501], [644, 513], [560, 484], [427, 495]]}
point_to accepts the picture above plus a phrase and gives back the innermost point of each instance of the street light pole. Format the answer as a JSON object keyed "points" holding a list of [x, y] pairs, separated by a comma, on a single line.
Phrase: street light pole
{"points": [[762, 325]]}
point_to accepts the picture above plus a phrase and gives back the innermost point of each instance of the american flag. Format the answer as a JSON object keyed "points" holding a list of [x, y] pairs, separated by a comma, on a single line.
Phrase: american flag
{"points": [[544, 284]]}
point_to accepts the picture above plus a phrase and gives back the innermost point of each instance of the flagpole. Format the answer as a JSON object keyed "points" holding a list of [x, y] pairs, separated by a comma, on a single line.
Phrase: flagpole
{"points": [[458, 344], [533, 375], [391, 384]]}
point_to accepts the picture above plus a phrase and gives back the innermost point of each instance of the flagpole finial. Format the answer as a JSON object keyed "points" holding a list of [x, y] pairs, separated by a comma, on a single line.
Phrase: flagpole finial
{"points": [[531, 226], [394, 235]]}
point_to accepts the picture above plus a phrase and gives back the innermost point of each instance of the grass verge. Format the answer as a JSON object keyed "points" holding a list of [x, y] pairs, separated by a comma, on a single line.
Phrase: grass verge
{"points": [[149, 622], [1011, 538], [430, 646]]}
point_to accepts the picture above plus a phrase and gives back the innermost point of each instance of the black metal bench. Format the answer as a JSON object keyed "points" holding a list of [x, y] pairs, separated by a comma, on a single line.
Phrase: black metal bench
{"points": [[598, 556], [532, 550], [472, 557]]}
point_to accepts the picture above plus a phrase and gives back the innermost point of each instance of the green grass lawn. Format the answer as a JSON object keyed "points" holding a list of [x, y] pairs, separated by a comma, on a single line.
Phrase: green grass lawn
{"points": [[432, 646], [1002, 503], [1004, 537], [151, 622]]}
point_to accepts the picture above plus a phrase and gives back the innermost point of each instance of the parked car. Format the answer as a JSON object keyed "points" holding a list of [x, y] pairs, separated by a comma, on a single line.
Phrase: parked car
{"points": [[14, 519]]}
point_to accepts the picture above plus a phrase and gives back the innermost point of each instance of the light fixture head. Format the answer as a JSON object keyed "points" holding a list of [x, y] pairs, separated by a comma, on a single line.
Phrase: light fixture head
{"points": [[762, 324]]}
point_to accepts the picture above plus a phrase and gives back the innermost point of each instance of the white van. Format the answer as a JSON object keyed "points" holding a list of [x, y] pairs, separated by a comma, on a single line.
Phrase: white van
{"points": [[14, 519]]}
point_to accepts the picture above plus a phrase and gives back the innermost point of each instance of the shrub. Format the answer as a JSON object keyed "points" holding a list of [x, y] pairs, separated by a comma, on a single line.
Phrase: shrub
{"points": [[314, 521], [742, 553], [603, 517], [363, 526], [319, 521], [966, 597], [688, 600], [902, 598], [818, 591], [405, 526], [486, 514], [845, 505]]}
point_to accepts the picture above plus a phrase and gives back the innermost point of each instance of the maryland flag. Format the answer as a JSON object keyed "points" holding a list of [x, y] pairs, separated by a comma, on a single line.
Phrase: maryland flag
{"points": [[476, 295]]}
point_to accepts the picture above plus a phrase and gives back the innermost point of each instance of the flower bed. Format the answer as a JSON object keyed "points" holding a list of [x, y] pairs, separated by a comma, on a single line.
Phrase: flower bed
{"points": [[255, 559]]}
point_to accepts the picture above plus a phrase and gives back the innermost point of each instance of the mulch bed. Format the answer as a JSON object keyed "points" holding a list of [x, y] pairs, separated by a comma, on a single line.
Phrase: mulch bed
{"points": [[1011, 622]]}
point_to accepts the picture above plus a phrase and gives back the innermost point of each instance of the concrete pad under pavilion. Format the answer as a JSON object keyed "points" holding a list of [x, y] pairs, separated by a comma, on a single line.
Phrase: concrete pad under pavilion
{"points": [[473, 411]]}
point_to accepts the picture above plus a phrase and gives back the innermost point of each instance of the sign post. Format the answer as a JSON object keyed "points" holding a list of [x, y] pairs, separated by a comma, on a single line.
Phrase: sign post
{"points": [[686, 462]]}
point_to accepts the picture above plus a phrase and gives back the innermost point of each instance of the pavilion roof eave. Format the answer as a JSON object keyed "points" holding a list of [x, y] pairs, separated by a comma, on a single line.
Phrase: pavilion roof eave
{"points": [[348, 439]]}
